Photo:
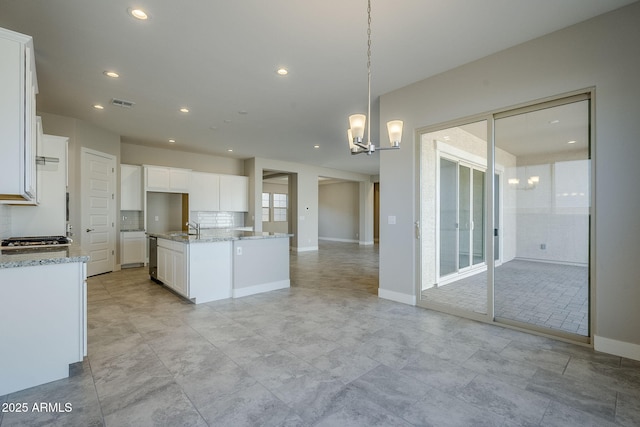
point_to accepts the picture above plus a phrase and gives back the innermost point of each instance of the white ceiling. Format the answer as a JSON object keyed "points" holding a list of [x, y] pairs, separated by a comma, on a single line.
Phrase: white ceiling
{"points": [[218, 57]]}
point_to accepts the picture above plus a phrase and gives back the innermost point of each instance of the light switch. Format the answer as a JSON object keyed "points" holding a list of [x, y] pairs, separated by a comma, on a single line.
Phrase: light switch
{"points": [[391, 220], [239, 250]]}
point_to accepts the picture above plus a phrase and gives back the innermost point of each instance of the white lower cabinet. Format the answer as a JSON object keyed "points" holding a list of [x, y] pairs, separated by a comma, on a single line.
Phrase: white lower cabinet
{"points": [[172, 270], [133, 247]]}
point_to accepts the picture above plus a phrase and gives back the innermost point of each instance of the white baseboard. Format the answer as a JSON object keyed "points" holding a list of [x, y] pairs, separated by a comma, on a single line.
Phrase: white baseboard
{"points": [[305, 249], [617, 348], [333, 239], [366, 243], [117, 267], [263, 287], [396, 296]]}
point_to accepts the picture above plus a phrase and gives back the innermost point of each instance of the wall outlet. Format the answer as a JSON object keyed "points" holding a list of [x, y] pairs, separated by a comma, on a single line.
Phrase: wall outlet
{"points": [[156, 218], [543, 246], [239, 250]]}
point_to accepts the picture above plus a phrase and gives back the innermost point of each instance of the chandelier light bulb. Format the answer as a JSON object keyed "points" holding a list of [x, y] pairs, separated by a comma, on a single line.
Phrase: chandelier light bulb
{"points": [[395, 132], [357, 123]]}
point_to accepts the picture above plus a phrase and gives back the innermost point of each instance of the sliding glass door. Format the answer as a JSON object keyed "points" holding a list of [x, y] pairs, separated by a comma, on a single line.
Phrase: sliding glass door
{"points": [[456, 159], [544, 281], [505, 217]]}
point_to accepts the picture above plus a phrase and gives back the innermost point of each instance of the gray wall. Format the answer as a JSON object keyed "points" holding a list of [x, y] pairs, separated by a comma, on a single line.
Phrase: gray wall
{"points": [[339, 209], [602, 52], [143, 155]]}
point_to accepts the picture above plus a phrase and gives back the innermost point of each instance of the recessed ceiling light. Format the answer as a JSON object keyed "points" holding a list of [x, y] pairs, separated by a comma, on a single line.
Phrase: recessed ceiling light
{"points": [[184, 110], [227, 120], [243, 112], [213, 127], [316, 146], [282, 71], [230, 150], [138, 14], [172, 141], [553, 122], [111, 74], [98, 107], [571, 142]]}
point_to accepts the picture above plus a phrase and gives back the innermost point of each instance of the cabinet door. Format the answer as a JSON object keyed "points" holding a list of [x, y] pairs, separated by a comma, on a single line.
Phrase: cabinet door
{"points": [[204, 192], [133, 249], [157, 178], [179, 180], [162, 264], [130, 188], [234, 193], [180, 276], [17, 117]]}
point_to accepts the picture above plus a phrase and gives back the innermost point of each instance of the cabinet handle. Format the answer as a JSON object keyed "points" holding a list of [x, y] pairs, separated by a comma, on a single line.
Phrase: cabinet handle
{"points": [[90, 229]]}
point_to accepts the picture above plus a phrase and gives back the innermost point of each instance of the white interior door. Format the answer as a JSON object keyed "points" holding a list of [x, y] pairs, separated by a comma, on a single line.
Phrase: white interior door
{"points": [[98, 210]]}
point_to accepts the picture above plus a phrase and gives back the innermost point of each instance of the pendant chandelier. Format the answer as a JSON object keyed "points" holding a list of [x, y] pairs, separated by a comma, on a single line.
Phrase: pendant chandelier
{"points": [[357, 122]]}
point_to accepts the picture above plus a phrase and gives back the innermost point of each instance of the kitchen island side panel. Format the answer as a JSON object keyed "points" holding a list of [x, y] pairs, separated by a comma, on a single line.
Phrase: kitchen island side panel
{"points": [[210, 271], [260, 265]]}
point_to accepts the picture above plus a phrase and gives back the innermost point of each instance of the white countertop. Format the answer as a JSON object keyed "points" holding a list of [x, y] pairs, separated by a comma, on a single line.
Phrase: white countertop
{"points": [[10, 258], [218, 235]]}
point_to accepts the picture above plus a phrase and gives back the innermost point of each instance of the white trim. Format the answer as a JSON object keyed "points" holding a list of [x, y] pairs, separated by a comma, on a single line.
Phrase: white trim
{"points": [[305, 249], [397, 296], [366, 243], [263, 287], [333, 239], [617, 348]]}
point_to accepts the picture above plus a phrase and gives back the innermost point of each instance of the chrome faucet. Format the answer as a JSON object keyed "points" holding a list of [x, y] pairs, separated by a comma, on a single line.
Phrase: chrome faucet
{"points": [[194, 225]]}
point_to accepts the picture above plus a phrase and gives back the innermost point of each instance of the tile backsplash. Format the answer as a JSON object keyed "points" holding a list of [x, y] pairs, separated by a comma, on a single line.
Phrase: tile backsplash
{"points": [[131, 220], [5, 221], [218, 219]]}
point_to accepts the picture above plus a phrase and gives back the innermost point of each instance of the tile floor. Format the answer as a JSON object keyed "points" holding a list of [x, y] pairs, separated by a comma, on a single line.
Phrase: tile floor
{"points": [[326, 352], [544, 294]]}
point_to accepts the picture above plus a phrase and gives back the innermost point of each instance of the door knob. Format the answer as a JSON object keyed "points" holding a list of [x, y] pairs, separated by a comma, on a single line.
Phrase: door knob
{"points": [[90, 229]]}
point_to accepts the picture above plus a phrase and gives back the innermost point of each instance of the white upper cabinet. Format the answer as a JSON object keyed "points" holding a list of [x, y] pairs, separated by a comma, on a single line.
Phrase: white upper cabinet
{"points": [[18, 131], [164, 179], [204, 192], [130, 188], [234, 193]]}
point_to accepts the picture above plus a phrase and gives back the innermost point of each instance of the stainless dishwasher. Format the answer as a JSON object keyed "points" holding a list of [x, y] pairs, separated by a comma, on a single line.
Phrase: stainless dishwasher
{"points": [[153, 258]]}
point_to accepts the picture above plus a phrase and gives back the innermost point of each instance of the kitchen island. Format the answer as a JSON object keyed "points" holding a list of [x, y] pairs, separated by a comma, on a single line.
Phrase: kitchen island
{"points": [[43, 313], [220, 264]]}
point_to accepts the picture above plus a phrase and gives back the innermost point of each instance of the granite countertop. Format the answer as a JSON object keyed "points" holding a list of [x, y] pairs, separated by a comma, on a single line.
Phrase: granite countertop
{"points": [[27, 257], [218, 235]]}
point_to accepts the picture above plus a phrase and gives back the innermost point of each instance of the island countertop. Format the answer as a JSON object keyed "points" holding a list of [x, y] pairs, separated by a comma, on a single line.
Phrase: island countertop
{"points": [[10, 258], [218, 235]]}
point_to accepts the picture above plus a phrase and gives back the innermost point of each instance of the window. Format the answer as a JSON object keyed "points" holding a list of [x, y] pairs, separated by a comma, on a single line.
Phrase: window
{"points": [[279, 207], [266, 205]]}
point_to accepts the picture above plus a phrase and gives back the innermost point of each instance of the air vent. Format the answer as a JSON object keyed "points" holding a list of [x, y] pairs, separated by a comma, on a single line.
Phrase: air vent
{"points": [[122, 103]]}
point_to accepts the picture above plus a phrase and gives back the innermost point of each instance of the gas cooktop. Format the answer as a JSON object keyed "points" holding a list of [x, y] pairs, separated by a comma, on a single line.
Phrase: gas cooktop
{"points": [[35, 242]]}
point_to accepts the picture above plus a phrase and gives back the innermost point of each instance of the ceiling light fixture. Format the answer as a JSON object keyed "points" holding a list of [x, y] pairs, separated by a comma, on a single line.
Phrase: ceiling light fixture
{"points": [[316, 146], [98, 107], [184, 110], [571, 142], [172, 141], [138, 14], [111, 74], [282, 71], [230, 150], [355, 133]]}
